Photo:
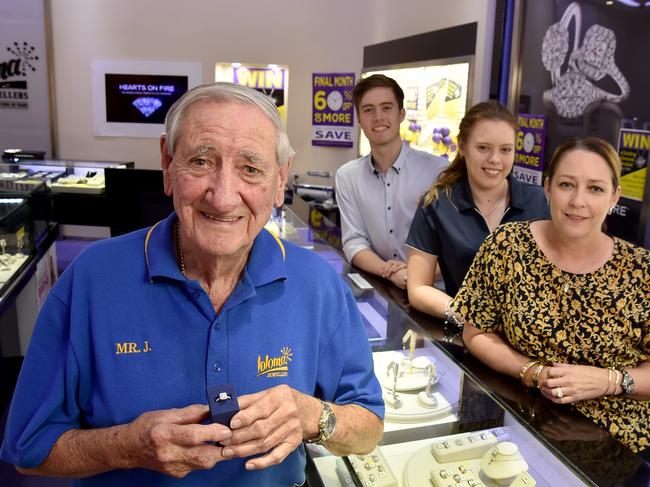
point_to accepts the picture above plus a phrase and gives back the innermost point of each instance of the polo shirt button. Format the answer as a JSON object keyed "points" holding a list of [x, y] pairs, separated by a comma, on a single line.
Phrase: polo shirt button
{"points": [[387, 184], [391, 231], [389, 207], [394, 255], [217, 325], [216, 366]]}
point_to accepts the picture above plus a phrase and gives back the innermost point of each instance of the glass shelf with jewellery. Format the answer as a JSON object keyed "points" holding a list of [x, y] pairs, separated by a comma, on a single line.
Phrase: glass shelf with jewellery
{"points": [[59, 176], [449, 419], [16, 238]]}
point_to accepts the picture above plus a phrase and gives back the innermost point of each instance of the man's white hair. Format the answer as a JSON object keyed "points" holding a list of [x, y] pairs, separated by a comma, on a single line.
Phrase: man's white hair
{"points": [[226, 93]]}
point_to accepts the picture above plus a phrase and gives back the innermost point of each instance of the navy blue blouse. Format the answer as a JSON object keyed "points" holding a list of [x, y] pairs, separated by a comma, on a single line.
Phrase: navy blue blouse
{"points": [[453, 229]]}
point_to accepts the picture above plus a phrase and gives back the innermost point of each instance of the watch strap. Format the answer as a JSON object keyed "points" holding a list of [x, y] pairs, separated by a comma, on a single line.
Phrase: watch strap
{"points": [[325, 432], [627, 383]]}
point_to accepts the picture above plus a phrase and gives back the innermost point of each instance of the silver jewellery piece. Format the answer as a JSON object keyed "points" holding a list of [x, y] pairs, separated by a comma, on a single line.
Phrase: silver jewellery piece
{"points": [[451, 317], [223, 396], [394, 368], [558, 392], [3, 245], [627, 382], [432, 379], [572, 91], [503, 462]]}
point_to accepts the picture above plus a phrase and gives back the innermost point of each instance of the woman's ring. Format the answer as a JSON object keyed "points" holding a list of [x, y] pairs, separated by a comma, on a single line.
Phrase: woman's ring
{"points": [[557, 392]]}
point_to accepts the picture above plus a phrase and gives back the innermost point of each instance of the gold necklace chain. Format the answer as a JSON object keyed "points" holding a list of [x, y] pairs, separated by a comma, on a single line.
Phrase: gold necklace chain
{"points": [[179, 249]]}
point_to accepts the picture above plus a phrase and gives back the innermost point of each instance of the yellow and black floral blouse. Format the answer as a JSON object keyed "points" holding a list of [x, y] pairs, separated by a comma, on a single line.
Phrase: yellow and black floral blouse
{"points": [[601, 318]]}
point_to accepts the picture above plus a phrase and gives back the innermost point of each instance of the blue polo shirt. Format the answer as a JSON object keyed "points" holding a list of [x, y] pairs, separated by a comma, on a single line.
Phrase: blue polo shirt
{"points": [[124, 332], [453, 229]]}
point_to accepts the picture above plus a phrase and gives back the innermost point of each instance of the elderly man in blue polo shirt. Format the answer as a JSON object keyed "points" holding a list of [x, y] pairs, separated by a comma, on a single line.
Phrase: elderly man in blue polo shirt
{"points": [[113, 387], [378, 194]]}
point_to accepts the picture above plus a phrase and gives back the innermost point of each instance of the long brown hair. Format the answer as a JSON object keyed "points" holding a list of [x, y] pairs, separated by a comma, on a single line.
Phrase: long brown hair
{"points": [[487, 110]]}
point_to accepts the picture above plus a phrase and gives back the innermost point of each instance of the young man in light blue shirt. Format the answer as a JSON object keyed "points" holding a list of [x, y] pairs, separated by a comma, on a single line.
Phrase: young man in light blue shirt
{"points": [[377, 194]]}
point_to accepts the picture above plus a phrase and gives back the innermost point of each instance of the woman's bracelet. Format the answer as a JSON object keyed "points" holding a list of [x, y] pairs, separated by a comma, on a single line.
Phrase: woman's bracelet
{"points": [[525, 368], [609, 381], [612, 372], [536, 373], [451, 317]]}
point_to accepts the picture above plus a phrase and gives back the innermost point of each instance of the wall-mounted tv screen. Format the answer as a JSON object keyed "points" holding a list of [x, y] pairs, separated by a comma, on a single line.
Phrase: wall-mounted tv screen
{"points": [[435, 100]]}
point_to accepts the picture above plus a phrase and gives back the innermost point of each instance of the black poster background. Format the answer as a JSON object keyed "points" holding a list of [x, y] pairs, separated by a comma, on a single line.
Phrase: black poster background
{"points": [[601, 119], [119, 101]]}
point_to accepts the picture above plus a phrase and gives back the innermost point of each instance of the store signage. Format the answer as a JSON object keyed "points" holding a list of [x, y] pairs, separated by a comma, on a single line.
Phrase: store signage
{"points": [[131, 98], [24, 85], [22, 58], [529, 148], [332, 109], [139, 98], [270, 79], [633, 149]]}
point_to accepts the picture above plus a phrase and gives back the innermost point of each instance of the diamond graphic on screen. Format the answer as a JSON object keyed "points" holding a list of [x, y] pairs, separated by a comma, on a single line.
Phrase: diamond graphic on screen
{"points": [[147, 105]]}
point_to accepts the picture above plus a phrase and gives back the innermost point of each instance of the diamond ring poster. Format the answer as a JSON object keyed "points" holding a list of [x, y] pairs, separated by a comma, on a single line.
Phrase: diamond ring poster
{"points": [[131, 98]]}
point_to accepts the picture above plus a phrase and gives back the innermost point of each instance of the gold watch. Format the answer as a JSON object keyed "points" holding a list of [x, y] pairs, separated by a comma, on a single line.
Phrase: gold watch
{"points": [[326, 425]]}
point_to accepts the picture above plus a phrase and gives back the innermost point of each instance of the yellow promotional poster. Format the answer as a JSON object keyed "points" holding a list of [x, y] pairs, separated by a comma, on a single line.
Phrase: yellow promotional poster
{"points": [[271, 79], [435, 100], [633, 149]]}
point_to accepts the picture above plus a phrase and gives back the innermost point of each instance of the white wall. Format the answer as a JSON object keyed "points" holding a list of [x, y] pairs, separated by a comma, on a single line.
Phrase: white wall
{"points": [[397, 19], [307, 35]]}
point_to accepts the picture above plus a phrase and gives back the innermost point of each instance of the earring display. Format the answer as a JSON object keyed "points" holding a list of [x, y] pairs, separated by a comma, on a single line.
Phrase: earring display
{"points": [[476, 459], [410, 387]]}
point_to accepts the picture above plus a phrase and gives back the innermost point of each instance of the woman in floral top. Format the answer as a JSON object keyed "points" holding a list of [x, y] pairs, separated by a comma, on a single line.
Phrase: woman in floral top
{"points": [[562, 305]]}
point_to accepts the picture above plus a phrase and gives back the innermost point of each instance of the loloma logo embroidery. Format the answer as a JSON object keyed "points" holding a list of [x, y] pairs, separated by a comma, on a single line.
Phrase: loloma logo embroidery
{"points": [[275, 366], [132, 347]]}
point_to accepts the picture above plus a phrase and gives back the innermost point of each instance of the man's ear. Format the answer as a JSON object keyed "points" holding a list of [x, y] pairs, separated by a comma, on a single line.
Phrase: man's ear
{"points": [[283, 175], [165, 162]]}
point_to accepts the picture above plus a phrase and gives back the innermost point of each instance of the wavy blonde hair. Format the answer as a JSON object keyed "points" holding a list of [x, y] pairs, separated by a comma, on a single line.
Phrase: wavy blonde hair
{"points": [[487, 110]]}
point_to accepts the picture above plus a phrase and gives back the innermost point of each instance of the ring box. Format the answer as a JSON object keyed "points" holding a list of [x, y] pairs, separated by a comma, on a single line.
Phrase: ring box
{"points": [[223, 403]]}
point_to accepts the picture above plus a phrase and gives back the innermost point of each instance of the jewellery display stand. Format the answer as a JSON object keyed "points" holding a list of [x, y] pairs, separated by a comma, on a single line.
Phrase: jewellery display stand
{"points": [[92, 183], [468, 460], [409, 387]]}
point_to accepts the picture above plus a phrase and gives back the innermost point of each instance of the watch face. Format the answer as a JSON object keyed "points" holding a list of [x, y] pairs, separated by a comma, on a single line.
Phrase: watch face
{"points": [[331, 424], [335, 100]]}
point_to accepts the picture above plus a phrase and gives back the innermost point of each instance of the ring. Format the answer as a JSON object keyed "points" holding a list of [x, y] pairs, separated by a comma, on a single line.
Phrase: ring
{"points": [[557, 392]]}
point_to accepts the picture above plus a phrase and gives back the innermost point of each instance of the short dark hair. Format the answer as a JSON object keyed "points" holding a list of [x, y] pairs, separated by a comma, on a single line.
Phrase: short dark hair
{"points": [[377, 81]]}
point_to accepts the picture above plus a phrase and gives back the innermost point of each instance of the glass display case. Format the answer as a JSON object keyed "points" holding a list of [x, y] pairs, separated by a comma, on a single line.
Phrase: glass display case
{"points": [[59, 176], [16, 238], [449, 420]]}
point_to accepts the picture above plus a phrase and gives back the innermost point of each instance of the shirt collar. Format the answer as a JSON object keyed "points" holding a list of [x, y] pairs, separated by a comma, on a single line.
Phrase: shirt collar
{"points": [[461, 194], [265, 260], [397, 165]]}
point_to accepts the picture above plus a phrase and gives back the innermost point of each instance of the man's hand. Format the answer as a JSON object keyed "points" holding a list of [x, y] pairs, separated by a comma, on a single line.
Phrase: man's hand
{"points": [[270, 423], [390, 267], [399, 278], [173, 442]]}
